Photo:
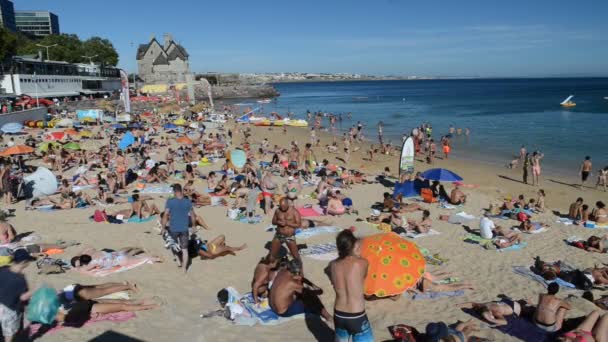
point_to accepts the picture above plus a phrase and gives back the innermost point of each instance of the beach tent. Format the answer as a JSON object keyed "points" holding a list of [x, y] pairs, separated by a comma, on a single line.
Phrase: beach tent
{"points": [[127, 140], [441, 175], [17, 149], [395, 264], [405, 189], [43, 182], [12, 128]]}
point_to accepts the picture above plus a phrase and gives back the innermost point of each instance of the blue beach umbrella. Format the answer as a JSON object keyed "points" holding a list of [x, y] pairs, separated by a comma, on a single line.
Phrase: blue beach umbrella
{"points": [[126, 141], [12, 127], [170, 126], [238, 158], [441, 175], [118, 126]]}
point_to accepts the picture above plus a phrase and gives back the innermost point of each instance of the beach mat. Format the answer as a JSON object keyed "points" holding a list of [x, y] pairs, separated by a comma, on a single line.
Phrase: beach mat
{"points": [[116, 317], [527, 272], [118, 269], [260, 313], [135, 219], [304, 234], [310, 212], [323, 252], [519, 328], [413, 235], [433, 295], [156, 189]]}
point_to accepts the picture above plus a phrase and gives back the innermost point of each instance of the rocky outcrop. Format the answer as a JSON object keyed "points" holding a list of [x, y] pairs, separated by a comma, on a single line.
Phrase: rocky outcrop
{"points": [[234, 91]]}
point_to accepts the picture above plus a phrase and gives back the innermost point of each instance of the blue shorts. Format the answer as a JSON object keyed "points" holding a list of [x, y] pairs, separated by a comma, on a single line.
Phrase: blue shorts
{"points": [[353, 327]]}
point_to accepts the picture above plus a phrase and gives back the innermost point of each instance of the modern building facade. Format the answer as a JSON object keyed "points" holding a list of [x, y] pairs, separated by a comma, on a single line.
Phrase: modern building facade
{"points": [[37, 23], [166, 63], [7, 15]]}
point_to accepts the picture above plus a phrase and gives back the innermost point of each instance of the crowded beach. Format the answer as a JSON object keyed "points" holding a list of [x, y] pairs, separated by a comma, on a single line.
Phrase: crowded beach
{"points": [[168, 225]]}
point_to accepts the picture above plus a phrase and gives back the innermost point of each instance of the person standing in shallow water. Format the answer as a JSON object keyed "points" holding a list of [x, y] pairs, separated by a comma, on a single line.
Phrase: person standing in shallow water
{"points": [[347, 275], [585, 170], [536, 170]]}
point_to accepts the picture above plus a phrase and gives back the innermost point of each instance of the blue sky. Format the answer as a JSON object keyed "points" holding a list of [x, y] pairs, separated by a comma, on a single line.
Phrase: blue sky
{"points": [[400, 37]]}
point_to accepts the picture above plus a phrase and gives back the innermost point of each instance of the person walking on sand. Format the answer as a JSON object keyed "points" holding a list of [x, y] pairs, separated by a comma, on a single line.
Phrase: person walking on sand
{"points": [[536, 170], [585, 170], [347, 275], [526, 167], [178, 213]]}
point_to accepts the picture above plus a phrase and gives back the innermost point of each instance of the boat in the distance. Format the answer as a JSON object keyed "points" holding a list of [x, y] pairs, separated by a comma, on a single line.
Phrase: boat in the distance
{"points": [[567, 103]]}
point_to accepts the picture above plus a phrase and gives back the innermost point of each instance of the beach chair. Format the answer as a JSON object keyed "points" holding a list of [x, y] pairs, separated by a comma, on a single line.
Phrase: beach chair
{"points": [[427, 195]]}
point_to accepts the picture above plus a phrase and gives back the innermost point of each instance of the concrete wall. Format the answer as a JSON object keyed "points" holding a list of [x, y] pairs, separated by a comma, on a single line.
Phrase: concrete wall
{"points": [[20, 117]]}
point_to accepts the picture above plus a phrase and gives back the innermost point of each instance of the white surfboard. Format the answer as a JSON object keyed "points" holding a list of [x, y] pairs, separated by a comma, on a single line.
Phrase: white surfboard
{"points": [[406, 163]]}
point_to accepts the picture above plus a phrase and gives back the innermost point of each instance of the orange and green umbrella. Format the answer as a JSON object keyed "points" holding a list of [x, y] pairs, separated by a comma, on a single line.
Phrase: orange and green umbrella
{"points": [[17, 149], [395, 264]]}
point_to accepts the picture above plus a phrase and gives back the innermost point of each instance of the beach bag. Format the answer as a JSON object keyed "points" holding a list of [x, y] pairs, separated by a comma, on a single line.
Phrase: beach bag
{"points": [[43, 306], [100, 216]]}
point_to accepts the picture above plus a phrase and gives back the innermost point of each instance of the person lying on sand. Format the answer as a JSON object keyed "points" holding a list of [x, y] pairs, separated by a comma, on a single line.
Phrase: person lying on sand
{"points": [[312, 222], [495, 312], [91, 258], [80, 312], [334, 205], [528, 226], [593, 328], [217, 248], [78, 293], [550, 311], [507, 238], [291, 294], [597, 244], [429, 283], [598, 275]]}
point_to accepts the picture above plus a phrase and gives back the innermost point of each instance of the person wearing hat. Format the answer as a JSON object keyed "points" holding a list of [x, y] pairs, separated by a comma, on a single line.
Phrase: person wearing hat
{"points": [[178, 212], [292, 189], [14, 290]]}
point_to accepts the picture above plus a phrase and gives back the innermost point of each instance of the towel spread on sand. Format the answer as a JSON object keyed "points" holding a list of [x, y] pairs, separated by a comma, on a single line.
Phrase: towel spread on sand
{"points": [[310, 212], [535, 231], [323, 252], [519, 327], [244, 311], [433, 295], [116, 317], [527, 272], [304, 234], [565, 221], [157, 189], [99, 272], [413, 235]]}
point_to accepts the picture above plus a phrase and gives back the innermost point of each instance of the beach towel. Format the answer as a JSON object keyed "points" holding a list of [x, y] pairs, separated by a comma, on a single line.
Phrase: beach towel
{"points": [[565, 221], [517, 247], [113, 317], [105, 272], [433, 295], [77, 188], [304, 234], [310, 212], [260, 313], [323, 252], [414, 235], [253, 220], [518, 327], [156, 189], [137, 219], [124, 295], [535, 231], [528, 273]]}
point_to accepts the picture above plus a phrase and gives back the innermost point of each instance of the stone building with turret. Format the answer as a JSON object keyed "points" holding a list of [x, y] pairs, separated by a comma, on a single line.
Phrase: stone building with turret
{"points": [[166, 63]]}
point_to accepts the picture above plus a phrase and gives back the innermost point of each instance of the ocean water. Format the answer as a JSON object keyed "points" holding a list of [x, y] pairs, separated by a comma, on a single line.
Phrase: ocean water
{"points": [[502, 114]]}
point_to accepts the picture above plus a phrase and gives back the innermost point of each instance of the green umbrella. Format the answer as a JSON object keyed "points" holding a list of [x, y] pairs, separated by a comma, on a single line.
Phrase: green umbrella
{"points": [[72, 146], [45, 146]]}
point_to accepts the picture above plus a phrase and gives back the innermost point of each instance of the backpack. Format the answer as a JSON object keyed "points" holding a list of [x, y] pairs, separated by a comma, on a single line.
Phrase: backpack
{"points": [[100, 216]]}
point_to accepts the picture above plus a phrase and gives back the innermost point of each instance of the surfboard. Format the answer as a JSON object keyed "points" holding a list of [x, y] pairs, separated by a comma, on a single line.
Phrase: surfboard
{"points": [[406, 163]]}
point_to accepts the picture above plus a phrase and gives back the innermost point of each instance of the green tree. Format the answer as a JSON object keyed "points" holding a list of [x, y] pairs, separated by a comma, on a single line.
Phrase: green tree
{"points": [[103, 48], [8, 44], [68, 48]]}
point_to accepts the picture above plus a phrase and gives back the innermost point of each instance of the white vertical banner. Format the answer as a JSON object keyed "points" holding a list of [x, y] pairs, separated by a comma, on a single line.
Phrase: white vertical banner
{"points": [[124, 81]]}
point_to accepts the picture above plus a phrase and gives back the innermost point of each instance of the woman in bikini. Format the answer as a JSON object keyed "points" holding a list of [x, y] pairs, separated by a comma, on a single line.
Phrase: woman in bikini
{"points": [[593, 328], [217, 248], [600, 214], [602, 178], [91, 258], [536, 169], [190, 174]]}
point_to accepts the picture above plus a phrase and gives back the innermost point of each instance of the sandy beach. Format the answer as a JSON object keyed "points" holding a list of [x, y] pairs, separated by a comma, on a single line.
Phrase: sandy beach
{"points": [[186, 297]]}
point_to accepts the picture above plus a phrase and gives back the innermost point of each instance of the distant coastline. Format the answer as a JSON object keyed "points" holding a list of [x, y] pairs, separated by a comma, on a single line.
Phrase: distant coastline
{"points": [[324, 80]]}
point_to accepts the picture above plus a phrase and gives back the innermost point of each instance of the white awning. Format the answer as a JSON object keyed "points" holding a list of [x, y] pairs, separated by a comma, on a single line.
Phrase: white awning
{"points": [[53, 94]]}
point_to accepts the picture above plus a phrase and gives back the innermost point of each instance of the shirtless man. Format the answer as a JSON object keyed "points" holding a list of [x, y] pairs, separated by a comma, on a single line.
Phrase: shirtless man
{"points": [[268, 187], [335, 206], [291, 294], [141, 208], [121, 169], [287, 219], [550, 311], [585, 170], [457, 196], [598, 274], [263, 275], [422, 226], [347, 275], [574, 212]]}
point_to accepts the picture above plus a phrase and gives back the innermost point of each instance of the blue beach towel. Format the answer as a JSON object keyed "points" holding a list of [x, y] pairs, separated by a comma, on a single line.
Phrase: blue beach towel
{"points": [[527, 272], [309, 232], [434, 295], [514, 247], [136, 219]]}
